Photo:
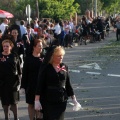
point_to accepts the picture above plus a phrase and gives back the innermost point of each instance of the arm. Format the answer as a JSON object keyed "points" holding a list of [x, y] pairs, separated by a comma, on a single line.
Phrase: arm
{"points": [[24, 75], [37, 103], [115, 27], [40, 87], [70, 93], [18, 75]]}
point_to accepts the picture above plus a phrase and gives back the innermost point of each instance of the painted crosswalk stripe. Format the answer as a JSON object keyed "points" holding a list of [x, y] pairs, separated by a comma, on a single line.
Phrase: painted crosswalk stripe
{"points": [[114, 75], [76, 71], [93, 73]]}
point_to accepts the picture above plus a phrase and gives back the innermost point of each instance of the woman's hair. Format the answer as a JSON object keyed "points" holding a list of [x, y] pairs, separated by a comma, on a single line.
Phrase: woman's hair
{"points": [[36, 41], [59, 50], [8, 41]]}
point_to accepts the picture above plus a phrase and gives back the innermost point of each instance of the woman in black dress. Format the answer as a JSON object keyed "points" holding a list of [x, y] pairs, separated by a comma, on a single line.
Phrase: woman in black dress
{"points": [[18, 43], [54, 86], [10, 72], [30, 73]]}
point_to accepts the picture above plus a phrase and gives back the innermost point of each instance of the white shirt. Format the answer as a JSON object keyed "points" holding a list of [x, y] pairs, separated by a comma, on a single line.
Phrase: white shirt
{"points": [[36, 25], [67, 28], [23, 30], [72, 25], [88, 21], [57, 29], [3, 27]]}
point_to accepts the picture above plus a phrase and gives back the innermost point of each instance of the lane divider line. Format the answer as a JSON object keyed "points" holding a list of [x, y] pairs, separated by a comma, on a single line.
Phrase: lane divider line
{"points": [[93, 73], [113, 75]]}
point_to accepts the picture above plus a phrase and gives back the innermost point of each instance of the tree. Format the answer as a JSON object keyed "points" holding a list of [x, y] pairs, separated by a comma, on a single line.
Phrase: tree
{"points": [[8, 6], [88, 4], [60, 9], [37, 9], [111, 6], [84, 5], [21, 8]]}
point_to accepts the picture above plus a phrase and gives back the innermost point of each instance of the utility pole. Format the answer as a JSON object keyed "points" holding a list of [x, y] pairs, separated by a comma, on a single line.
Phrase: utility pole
{"points": [[92, 5], [95, 8], [92, 10], [37, 9]]}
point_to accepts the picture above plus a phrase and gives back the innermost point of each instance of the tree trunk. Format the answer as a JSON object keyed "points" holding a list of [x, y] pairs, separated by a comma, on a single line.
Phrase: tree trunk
{"points": [[37, 9]]}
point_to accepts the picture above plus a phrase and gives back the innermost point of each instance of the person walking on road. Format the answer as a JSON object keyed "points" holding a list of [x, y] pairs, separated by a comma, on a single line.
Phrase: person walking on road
{"points": [[10, 73], [29, 77], [54, 86]]}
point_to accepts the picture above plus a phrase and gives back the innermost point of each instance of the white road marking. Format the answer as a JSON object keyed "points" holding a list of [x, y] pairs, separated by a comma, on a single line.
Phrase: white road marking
{"points": [[91, 66], [76, 71], [113, 75], [93, 73], [95, 66]]}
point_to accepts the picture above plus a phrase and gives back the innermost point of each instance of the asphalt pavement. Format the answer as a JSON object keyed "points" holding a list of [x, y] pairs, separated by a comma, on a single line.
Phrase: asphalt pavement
{"points": [[96, 82]]}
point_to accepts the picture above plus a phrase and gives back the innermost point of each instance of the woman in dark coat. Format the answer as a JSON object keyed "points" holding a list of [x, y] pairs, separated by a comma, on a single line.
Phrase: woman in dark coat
{"points": [[54, 86], [10, 72], [18, 43], [30, 73]]}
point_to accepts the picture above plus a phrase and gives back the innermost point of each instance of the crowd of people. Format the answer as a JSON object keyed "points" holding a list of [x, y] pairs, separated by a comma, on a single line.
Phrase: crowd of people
{"points": [[43, 78]]}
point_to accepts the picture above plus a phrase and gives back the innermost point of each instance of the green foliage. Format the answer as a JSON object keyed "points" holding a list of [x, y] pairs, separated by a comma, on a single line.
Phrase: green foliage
{"points": [[61, 9], [84, 5], [111, 6], [88, 4], [21, 7], [8, 5]]}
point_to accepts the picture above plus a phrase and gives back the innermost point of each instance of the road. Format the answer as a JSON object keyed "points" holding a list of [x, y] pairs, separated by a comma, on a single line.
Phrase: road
{"points": [[96, 83]]}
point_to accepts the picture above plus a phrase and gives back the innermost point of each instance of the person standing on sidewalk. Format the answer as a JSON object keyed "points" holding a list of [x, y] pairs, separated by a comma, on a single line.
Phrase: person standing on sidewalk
{"points": [[54, 86], [23, 29], [117, 29], [4, 25], [57, 31]]}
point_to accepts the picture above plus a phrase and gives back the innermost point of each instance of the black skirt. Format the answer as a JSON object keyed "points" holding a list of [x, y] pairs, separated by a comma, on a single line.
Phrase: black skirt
{"points": [[30, 97], [54, 111], [9, 97]]}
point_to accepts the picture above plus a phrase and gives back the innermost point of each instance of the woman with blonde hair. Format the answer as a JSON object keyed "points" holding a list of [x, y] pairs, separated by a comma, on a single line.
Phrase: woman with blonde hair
{"points": [[54, 86]]}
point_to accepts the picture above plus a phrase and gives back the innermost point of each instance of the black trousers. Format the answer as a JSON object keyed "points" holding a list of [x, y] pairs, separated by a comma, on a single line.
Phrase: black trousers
{"points": [[68, 40], [117, 33]]}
